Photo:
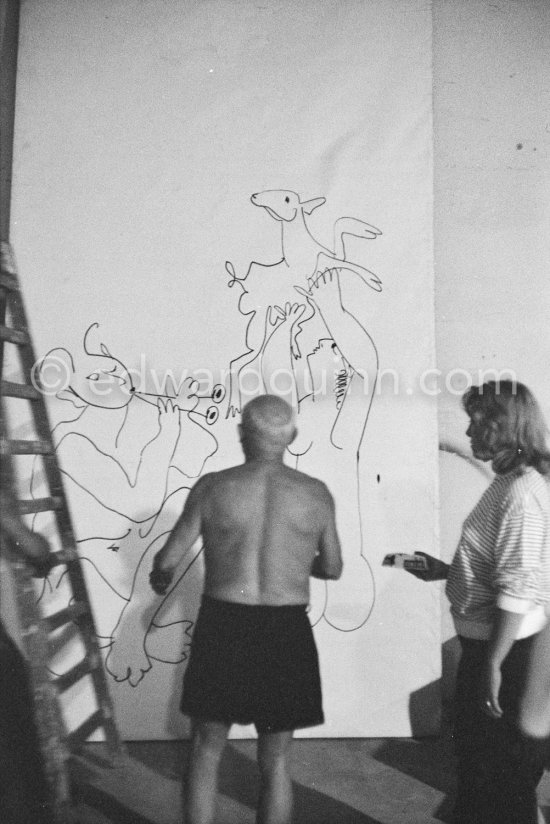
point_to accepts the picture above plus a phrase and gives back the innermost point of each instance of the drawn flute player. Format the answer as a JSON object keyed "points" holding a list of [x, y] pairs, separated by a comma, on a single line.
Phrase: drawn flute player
{"points": [[265, 529]]}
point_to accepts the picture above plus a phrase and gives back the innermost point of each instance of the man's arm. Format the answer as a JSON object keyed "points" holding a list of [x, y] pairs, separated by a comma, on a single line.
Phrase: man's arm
{"points": [[32, 546], [181, 539], [328, 564]]}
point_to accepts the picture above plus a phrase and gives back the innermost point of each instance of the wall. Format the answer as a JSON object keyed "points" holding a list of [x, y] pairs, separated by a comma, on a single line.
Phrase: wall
{"points": [[140, 136], [492, 215]]}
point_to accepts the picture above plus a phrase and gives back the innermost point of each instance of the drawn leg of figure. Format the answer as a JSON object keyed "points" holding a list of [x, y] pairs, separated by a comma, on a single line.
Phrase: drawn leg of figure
{"points": [[317, 600], [168, 638], [275, 802], [127, 658], [351, 599], [207, 745], [148, 629], [255, 339], [324, 262]]}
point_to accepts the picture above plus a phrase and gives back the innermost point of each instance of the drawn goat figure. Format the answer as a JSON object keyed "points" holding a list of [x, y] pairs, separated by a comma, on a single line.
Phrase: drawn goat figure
{"points": [[270, 286]]}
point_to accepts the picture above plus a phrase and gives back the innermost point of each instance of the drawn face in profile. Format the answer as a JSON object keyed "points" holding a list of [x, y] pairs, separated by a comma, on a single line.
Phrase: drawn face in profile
{"points": [[104, 381], [326, 363]]}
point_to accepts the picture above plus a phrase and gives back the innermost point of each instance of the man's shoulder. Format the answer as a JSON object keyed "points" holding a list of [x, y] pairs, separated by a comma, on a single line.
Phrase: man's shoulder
{"points": [[211, 480], [308, 481]]}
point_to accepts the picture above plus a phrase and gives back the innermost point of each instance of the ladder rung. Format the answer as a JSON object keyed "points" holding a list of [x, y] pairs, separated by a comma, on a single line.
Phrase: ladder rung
{"points": [[19, 390], [30, 448], [82, 733], [17, 336], [30, 506], [64, 616], [8, 282], [69, 678]]}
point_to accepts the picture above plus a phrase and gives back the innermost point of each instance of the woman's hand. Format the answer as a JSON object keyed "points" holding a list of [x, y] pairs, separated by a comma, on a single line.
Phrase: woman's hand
{"points": [[490, 689], [436, 570]]}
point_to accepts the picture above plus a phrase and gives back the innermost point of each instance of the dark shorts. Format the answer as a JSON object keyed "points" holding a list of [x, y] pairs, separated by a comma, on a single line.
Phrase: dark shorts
{"points": [[253, 665]]}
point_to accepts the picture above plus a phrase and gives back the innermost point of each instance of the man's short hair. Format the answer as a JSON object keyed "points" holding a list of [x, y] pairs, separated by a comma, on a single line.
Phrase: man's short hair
{"points": [[269, 419]]}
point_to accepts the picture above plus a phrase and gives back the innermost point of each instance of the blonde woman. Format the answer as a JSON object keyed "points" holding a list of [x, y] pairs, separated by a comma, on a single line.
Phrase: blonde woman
{"points": [[498, 584]]}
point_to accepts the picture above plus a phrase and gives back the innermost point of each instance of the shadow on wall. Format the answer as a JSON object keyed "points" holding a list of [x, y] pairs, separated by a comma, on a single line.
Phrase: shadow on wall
{"points": [[429, 760], [429, 706]]}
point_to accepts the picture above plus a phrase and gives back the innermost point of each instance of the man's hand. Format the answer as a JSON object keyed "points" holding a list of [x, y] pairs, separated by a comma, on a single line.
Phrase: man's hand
{"points": [[436, 570], [36, 551], [22, 541], [160, 580], [41, 569]]}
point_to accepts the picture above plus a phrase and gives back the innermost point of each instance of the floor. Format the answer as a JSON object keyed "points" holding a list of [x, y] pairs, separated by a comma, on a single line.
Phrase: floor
{"points": [[351, 781]]}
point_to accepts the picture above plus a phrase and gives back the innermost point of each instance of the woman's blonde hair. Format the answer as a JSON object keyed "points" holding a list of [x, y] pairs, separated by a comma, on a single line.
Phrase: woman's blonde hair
{"points": [[509, 409]]}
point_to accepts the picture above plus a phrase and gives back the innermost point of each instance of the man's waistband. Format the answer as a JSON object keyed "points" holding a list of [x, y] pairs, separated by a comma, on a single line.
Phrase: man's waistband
{"points": [[237, 607]]}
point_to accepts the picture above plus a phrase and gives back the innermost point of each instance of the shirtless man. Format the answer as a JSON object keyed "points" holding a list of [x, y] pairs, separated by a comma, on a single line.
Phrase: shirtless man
{"points": [[265, 528]]}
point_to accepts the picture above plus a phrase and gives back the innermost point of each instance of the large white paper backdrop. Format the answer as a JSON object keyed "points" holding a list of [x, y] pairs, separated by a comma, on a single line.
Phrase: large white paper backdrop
{"points": [[143, 129]]}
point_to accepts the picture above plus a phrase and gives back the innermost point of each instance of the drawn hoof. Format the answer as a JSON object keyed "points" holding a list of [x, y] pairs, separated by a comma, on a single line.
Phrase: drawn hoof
{"points": [[218, 393], [212, 415], [234, 404], [169, 643], [122, 667]]}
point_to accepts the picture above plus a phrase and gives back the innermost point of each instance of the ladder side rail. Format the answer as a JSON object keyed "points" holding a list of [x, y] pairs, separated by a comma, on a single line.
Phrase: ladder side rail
{"points": [[49, 723], [76, 576], [54, 477], [51, 730]]}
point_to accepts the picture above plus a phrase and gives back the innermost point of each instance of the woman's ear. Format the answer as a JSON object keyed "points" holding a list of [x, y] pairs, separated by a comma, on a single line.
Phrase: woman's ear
{"points": [[293, 436], [490, 435]]}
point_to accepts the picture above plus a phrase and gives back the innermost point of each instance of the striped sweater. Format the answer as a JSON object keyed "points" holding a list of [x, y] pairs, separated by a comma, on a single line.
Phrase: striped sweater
{"points": [[503, 557]]}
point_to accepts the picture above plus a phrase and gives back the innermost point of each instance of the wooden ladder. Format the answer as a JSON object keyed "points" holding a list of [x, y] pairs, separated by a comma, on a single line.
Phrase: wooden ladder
{"points": [[114, 783]]}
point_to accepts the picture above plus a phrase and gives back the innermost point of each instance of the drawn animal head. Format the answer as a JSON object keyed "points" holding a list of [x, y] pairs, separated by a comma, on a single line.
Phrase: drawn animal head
{"points": [[285, 205], [92, 379]]}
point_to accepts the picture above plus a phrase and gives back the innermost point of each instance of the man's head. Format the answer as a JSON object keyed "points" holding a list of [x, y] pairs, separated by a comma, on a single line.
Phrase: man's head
{"points": [[267, 426]]}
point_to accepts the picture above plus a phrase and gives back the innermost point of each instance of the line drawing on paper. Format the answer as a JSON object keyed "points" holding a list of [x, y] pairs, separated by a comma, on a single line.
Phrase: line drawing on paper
{"points": [[267, 287], [128, 460]]}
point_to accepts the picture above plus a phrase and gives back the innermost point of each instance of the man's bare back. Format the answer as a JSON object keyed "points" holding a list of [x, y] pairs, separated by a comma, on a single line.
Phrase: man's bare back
{"points": [[263, 524], [265, 528]]}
